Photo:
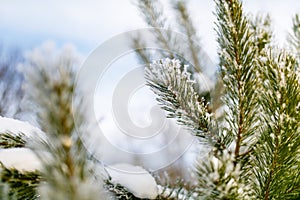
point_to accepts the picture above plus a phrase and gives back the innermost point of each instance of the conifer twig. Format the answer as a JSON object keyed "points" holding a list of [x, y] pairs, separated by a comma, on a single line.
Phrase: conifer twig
{"points": [[237, 61], [176, 95], [9, 140]]}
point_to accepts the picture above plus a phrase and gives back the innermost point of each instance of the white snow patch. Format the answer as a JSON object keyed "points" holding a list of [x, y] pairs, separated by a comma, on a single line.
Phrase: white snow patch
{"points": [[16, 126], [22, 159], [137, 180]]}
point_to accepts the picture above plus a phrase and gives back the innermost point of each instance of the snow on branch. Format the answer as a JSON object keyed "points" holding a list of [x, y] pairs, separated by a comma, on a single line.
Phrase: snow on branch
{"points": [[135, 179], [175, 89]]}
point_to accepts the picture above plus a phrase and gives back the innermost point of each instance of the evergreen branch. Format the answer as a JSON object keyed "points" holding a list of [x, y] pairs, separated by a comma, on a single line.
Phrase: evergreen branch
{"points": [[189, 30], [50, 86], [262, 34], [176, 95], [139, 47], [237, 61], [170, 46], [152, 11], [294, 37], [219, 178], [261, 29], [9, 140], [119, 191], [277, 155], [177, 192], [166, 193], [22, 185]]}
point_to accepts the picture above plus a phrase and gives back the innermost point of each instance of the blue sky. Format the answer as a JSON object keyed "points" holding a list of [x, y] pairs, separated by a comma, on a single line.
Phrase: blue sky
{"points": [[87, 24], [84, 23]]}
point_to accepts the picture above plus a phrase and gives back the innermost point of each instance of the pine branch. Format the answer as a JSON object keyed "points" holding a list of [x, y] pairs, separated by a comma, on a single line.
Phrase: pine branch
{"points": [[140, 48], [186, 50], [22, 185], [9, 140], [176, 95], [182, 47], [50, 80], [261, 29], [119, 191], [219, 178], [152, 11], [237, 61], [262, 34], [294, 37], [176, 192], [277, 155], [189, 30]]}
